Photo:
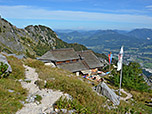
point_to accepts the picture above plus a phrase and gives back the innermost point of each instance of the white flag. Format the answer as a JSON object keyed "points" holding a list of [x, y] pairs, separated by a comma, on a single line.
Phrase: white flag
{"points": [[120, 59]]}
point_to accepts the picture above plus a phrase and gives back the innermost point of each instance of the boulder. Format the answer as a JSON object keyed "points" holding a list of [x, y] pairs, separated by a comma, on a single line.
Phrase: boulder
{"points": [[103, 89]]}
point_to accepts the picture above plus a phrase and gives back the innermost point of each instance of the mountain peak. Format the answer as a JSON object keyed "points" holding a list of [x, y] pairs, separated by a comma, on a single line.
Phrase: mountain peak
{"points": [[143, 33]]}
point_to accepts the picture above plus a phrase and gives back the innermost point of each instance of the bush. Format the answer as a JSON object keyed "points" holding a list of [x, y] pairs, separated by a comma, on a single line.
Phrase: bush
{"points": [[3, 68], [38, 98]]}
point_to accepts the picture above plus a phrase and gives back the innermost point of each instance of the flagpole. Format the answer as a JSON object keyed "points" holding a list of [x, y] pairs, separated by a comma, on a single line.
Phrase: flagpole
{"points": [[109, 67], [121, 74], [120, 80], [110, 59]]}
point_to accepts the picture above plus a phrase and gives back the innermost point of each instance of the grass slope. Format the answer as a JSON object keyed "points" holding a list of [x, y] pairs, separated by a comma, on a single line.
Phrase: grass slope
{"points": [[10, 102]]}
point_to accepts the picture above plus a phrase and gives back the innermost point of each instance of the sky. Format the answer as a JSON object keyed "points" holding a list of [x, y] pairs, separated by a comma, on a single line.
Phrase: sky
{"points": [[79, 14]]}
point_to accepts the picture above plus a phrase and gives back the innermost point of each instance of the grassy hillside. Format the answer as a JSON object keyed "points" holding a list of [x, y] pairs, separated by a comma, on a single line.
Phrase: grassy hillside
{"points": [[85, 100], [10, 102]]}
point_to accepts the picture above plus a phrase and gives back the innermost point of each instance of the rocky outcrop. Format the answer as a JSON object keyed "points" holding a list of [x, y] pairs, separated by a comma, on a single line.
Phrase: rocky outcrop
{"points": [[103, 89], [45, 34], [9, 36], [15, 40], [31, 41]]}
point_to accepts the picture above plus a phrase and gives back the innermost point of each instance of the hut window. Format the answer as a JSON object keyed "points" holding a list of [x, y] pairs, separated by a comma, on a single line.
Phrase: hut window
{"points": [[59, 62], [74, 60], [67, 61]]}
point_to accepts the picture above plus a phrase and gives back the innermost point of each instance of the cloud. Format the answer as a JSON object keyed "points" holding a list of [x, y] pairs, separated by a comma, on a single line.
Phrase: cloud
{"points": [[122, 11], [149, 7], [29, 12], [63, 0], [129, 11]]}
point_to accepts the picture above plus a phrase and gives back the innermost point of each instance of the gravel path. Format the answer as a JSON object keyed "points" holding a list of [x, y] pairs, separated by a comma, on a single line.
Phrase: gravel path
{"points": [[48, 96], [128, 95]]}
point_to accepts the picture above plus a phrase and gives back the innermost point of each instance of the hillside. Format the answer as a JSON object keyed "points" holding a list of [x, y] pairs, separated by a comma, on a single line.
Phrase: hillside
{"points": [[84, 98], [31, 41], [141, 33]]}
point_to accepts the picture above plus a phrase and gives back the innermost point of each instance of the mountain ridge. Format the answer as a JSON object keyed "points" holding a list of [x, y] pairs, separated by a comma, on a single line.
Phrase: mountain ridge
{"points": [[31, 41]]}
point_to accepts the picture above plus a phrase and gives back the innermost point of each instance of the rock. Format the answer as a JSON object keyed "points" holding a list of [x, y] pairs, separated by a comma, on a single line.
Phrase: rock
{"points": [[65, 111], [53, 112], [27, 80], [23, 102], [20, 80], [30, 98], [17, 56], [103, 89], [67, 96], [11, 91]]}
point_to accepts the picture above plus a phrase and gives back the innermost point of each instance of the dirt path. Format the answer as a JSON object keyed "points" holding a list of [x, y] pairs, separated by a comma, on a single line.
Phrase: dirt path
{"points": [[48, 96], [128, 95]]}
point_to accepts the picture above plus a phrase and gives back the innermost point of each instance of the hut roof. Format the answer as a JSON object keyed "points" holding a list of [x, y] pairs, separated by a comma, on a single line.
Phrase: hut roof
{"points": [[60, 55], [73, 66], [86, 59], [90, 58]]}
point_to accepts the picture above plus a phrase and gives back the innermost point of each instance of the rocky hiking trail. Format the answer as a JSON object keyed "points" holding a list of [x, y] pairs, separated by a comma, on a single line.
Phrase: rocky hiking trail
{"points": [[49, 97]]}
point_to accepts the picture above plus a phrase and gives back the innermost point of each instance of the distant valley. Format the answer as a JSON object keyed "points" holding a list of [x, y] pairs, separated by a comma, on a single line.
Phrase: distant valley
{"points": [[137, 43]]}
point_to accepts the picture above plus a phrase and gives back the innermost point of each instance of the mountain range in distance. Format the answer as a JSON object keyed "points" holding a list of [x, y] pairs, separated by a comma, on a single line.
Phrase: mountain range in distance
{"points": [[137, 43]]}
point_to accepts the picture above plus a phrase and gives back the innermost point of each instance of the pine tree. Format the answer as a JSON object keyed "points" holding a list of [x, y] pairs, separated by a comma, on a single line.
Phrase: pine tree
{"points": [[132, 77]]}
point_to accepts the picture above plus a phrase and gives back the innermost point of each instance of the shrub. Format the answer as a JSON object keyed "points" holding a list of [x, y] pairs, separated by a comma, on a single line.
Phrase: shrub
{"points": [[3, 68], [38, 98]]}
